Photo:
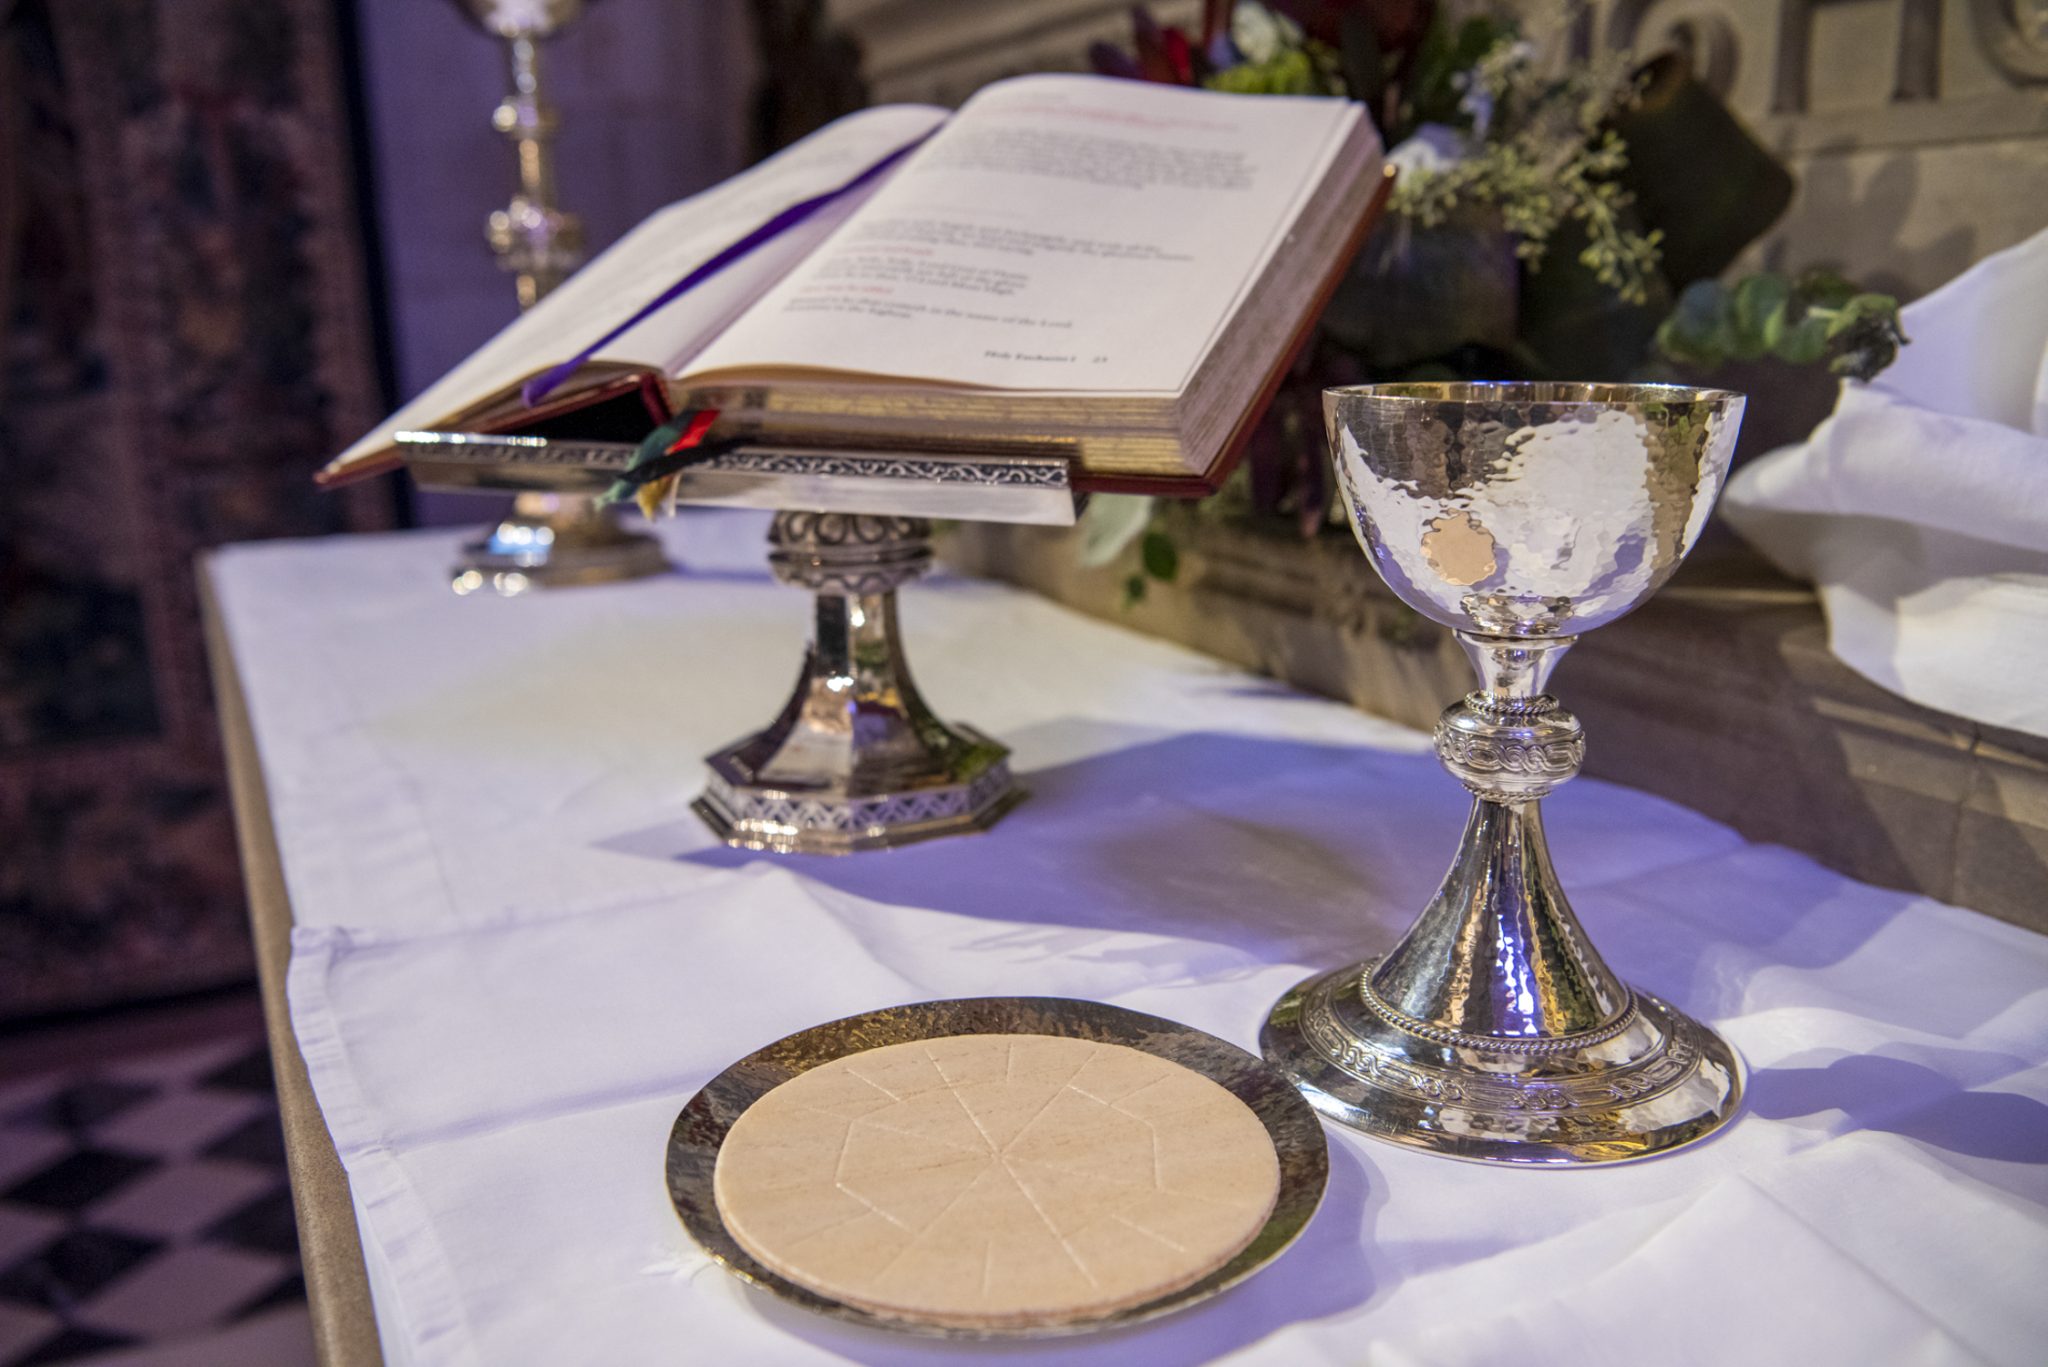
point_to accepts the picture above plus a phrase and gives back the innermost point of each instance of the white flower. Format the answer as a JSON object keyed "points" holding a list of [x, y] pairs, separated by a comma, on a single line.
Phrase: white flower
{"points": [[1432, 147], [1111, 522], [1259, 35], [1478, 100]]}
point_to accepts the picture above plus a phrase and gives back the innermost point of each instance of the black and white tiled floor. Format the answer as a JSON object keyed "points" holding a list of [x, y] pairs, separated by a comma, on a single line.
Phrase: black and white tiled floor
{"points": [[145, 1216]]}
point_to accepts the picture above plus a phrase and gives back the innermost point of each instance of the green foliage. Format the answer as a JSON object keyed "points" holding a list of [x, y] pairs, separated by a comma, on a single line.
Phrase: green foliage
{"points": [[1544, 157], [1307, 70], [1820, 316], [1160, 556], [1131, 519]]}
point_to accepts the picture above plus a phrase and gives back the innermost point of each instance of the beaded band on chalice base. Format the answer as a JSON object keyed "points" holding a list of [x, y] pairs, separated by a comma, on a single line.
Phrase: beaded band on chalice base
{"points": [[857, 760], [1494, 1030]]}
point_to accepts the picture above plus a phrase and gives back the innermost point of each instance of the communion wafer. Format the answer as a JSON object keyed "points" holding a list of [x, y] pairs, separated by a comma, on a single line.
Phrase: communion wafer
{"points": [[996, 1181]]}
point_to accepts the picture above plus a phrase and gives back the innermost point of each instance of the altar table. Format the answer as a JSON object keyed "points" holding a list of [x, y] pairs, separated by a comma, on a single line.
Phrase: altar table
{"points": [[515, 954]]}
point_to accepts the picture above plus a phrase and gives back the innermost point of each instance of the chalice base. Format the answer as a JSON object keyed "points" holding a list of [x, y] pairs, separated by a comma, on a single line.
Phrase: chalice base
{"points": [[963, 786], [1649, 1082]]}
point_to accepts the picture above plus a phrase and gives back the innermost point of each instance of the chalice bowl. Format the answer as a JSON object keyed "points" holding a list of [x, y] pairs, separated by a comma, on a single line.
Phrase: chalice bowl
{"points": [[1521, 516]]}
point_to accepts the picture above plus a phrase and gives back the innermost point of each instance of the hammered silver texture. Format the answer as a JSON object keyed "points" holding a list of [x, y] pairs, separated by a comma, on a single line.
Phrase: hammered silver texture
{"points": [[1529, 509], [1520, 516]]}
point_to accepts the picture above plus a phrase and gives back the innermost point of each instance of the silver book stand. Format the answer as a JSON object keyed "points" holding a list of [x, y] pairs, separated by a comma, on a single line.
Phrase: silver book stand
{"points": [[857, 760]]}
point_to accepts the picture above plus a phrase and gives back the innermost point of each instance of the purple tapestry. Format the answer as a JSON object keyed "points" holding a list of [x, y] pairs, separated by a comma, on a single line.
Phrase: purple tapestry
{"points": [[185, 335]]}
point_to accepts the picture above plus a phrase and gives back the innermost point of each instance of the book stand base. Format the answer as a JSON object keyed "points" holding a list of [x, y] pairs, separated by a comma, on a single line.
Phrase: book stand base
{"points": [[555, 541], [856, 760]]}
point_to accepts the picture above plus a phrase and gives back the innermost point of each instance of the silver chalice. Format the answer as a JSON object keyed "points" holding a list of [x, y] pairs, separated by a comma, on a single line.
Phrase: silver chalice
{"points": [[1521, 516]]}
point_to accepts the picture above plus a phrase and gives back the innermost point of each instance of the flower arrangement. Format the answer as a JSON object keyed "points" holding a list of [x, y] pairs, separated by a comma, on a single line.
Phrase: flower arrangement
{"points": [[1552, 218]]}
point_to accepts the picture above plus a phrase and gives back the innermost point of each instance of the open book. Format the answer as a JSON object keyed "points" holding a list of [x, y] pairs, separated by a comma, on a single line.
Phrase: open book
{"points": [[1102, 269]]}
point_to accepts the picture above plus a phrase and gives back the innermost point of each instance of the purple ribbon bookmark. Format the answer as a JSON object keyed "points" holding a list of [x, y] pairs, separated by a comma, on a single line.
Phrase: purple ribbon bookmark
{"points": [[540, 386]]}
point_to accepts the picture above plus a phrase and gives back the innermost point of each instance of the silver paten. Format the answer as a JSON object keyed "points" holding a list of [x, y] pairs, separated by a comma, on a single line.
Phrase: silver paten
{"points": [[1297, 1137], [1521, 516]]}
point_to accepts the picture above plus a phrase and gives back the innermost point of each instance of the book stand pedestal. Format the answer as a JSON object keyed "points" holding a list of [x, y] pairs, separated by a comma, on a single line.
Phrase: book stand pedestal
{"points": [[856, 760]]}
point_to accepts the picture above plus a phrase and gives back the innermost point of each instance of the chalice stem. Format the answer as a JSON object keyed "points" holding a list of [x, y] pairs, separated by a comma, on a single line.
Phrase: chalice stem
{"points": [[1498, 951]]}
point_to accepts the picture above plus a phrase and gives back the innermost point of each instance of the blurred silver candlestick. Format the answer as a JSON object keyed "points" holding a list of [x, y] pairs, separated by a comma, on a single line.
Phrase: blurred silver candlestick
{"points": [[550, 540], [1521, 516]]}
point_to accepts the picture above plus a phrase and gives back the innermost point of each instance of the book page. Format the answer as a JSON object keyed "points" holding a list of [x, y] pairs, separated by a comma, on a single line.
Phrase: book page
{"points": [[662, 250], [1070, 233]]}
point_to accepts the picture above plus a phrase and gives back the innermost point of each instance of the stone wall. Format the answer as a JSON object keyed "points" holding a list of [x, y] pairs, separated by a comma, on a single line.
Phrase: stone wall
{"points": [[1918, 129]]}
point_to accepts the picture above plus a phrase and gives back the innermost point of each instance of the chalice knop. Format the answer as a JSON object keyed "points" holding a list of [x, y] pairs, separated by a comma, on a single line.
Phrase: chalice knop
{"points": [[1521, 516]]}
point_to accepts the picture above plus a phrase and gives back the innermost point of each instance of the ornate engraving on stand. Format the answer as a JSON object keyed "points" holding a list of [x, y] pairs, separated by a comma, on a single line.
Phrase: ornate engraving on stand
{"points": [[930, 469], [604, 458], [479, 449], [848, 553], [762, 811]]}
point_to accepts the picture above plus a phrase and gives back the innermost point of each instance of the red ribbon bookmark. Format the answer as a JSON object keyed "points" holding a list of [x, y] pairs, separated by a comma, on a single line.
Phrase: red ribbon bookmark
{"points": [[694, 432]]}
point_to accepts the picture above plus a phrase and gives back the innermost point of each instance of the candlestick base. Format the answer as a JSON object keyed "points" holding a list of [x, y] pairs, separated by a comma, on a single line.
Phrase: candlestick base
{"points": [[556, 541]]}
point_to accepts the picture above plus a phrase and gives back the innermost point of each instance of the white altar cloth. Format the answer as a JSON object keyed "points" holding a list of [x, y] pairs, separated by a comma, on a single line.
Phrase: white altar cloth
{"points": [[517, 955]]}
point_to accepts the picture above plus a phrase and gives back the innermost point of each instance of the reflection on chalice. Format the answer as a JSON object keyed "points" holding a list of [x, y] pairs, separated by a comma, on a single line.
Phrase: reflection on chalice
{"points": [[1521, 516]]}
